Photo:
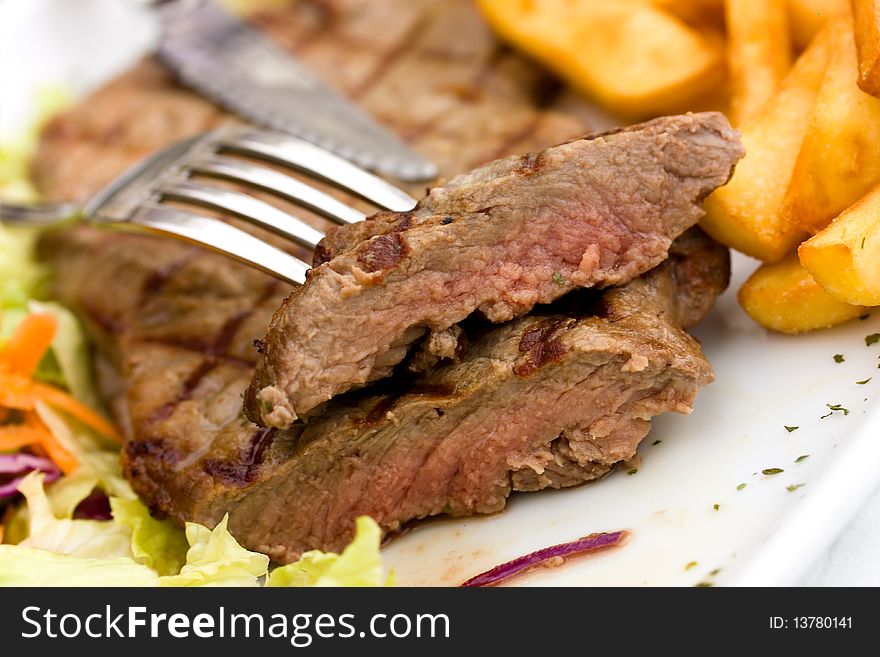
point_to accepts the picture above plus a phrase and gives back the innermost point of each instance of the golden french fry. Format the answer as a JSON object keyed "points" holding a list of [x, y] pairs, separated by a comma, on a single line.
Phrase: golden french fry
{"points": [[783, 297], [699, 13], [807, 17], [745, 213], [635, 59], [839, 160], [845, 257], [758, 52], [867, 21]]}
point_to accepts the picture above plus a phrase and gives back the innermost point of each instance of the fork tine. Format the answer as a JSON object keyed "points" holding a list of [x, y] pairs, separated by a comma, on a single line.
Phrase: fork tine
{"points": [[217, 236], [298, 154], [277, 183], [245, 207]]}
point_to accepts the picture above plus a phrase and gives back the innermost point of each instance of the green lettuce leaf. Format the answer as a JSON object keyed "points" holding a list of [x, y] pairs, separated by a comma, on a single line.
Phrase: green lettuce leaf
{"points": [[21, 278], [216, 559], [68, 363], [84, 538], [27, 566], [359, 564], [88, 447], [155, 543]]}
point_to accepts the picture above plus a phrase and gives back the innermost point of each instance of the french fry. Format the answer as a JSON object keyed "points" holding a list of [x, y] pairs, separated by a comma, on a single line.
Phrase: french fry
{"points": [[845, 257], [867, 21], [634, 58], [745, 213], [699, 13], [783, 297], [807, 17], [839, 160], [758, 52]]}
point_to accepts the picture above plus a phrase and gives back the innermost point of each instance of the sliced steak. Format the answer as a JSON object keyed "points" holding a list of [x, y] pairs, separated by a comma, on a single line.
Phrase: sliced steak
{"points": [[544, 401], [514, 233]]}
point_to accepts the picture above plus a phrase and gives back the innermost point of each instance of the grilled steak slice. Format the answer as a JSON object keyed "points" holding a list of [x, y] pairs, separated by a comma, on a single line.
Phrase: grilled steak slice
{"points": [[516, 232], [544, 401]]}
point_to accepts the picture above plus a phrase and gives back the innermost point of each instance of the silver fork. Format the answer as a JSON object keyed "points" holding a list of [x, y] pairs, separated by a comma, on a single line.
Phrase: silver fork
{"points": [[137, 200]]}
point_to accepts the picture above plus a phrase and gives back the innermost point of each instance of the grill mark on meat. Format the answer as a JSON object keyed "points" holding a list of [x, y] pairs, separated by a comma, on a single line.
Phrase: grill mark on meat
{"points": [[156, 280], [244, 470], [541, 344], [206, 349], [386, 63], [109, 325], [383, 252], [214, 353], [153, 448]]}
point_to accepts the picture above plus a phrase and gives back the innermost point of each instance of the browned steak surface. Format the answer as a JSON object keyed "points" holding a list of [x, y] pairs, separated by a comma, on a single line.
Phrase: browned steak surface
{"points": [[517, 232], [550, 400], [174, 326]]}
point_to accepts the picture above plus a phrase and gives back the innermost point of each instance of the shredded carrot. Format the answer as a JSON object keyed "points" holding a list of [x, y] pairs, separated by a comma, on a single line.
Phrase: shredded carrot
{"points": [[63, 401], [16, 436], [19, 358], [54, 449], [24, 350], [22, 394]]}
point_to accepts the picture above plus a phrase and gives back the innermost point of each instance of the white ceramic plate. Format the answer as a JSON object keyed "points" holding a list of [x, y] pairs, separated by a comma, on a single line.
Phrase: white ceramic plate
{"points": [[762, 534]]}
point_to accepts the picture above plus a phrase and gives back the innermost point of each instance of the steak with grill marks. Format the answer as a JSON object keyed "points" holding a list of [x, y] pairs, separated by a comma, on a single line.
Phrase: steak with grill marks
{"points": [[516, 232], [174, 325], [550, 400]]}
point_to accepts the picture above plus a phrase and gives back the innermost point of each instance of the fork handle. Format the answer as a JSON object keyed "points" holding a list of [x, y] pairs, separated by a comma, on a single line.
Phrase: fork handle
{"points": [[38, 214]]}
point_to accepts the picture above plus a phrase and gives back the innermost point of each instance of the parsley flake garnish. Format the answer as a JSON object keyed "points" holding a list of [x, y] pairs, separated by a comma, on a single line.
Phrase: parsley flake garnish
{"points": [[802, 457], [559, 279], [692, 564], [790, 429], [741, 486], [716, 506], [794, 487], [874, 338], [703, 585], [838, 358], [657, 442], [772, 471], [712, 573], [835, 408], [861, 383], [632, 472]]}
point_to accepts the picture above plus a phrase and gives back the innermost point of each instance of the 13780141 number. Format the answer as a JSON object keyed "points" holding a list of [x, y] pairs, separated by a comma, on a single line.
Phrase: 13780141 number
{"points": [[822, 622]]}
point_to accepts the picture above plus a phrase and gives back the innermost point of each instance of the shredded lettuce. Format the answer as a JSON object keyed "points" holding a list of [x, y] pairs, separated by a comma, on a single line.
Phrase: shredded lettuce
{"points": [[82, 538], [138, 550], [69, 363], [21, 278], [27, 566], [216, 559], [155, 543], [88, 447], [358, 565], [15, 155]]}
